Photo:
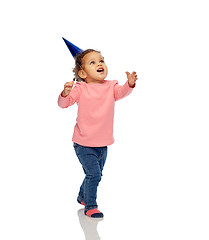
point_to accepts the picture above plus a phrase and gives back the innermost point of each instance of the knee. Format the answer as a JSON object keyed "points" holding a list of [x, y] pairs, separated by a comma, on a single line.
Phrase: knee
{"points": [[95, 176]]}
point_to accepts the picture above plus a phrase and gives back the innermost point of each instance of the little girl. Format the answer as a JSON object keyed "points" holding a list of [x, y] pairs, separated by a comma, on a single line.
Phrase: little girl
{"points": [[93, 131]]}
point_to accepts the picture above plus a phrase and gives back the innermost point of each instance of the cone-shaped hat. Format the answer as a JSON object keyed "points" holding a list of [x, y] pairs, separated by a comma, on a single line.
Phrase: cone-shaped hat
{"points": [[73, 49]]}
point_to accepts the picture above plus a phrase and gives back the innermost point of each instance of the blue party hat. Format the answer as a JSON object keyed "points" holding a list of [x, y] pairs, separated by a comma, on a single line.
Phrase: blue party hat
{"points": [[73, 49]]}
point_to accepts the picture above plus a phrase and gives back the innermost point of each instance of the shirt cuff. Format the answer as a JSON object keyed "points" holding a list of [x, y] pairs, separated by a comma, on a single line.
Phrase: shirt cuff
{"points": [[132, 86]]}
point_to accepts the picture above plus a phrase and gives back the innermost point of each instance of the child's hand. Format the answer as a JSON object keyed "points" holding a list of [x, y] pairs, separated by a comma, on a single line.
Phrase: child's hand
{"points": [[67, 88], [131, 78]]}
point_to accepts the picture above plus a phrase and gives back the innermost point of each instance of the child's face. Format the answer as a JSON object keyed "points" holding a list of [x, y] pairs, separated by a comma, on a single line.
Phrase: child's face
{"points": [[94, 69]]}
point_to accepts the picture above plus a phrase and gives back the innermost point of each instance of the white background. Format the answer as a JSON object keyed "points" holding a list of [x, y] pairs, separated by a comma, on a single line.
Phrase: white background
{"points": [[155, 183]]}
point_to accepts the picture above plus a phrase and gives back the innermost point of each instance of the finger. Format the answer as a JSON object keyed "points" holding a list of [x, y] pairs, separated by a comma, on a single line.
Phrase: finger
{"points": [[68, 88], [70, 84], [66, 84], [127, 73]]}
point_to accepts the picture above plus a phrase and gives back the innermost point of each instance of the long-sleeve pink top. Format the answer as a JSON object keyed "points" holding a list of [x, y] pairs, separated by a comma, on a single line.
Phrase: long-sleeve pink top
{"points": [[96, 102]]}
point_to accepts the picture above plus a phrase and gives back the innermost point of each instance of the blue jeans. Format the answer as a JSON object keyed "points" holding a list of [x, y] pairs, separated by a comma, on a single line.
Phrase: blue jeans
{"points": [[92, 160]]}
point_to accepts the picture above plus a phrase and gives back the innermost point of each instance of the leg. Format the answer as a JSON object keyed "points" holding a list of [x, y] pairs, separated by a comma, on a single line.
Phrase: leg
{"points": [[92, 160], [102, 155], [91, 182], [88, 157], [101, 160]]}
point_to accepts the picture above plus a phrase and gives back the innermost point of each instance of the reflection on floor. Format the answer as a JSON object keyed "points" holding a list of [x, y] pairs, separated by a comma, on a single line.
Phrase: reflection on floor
{"points": [[89, 225]]}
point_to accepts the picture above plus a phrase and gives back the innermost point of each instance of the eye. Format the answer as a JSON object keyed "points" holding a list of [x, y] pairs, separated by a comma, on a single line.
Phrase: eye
{"points": [[102, 61], [92, 62]]}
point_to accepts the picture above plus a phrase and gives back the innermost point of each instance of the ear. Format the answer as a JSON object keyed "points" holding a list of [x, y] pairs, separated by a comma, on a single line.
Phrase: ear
{"points": [[82, 74]]}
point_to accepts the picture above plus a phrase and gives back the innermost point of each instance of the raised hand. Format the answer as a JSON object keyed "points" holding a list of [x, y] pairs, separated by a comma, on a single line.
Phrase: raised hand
{"points": [[132, 77], [67, 88]]}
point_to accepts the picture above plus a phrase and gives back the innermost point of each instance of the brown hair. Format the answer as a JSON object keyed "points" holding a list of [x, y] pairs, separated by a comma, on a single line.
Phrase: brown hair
{"points": [[78, 64]]}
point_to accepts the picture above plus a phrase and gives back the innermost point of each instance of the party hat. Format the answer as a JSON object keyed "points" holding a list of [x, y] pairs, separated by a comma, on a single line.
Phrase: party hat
{"points": [[73, 49]]}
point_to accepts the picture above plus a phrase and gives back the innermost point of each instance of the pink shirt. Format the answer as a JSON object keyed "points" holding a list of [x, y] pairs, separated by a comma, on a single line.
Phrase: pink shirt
{"points": [[96, 102]]}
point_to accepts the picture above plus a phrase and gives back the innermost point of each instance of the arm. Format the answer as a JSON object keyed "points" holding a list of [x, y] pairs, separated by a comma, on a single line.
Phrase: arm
{"points": [[123, 91], [69, 96]]}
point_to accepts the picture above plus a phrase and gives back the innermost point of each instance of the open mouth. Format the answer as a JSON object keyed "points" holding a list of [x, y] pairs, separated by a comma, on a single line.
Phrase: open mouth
{"points": [[100, 70]]}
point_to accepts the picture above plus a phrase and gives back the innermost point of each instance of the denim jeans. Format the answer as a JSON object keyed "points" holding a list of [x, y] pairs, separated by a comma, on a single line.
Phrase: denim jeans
{"points": [[92, 160]]}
